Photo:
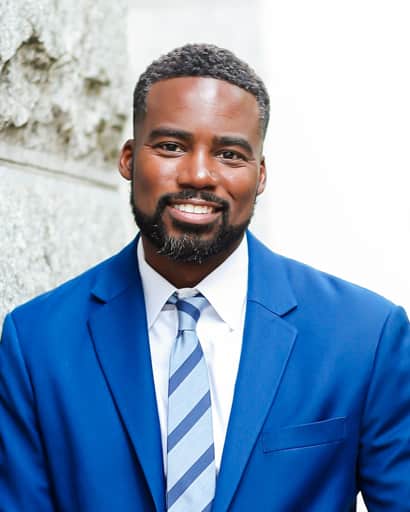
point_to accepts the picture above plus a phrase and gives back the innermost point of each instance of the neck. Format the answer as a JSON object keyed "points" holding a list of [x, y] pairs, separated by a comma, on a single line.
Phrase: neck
{"points": [[179, 273]]}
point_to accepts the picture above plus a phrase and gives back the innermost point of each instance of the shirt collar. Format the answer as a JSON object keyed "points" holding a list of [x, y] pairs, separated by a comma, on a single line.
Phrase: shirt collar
{"points": [[157, 290], [225, 288]]}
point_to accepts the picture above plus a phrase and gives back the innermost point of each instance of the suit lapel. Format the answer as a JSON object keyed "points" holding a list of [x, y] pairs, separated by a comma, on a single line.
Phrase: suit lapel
{"points": [[267, 344], [120, 338]]}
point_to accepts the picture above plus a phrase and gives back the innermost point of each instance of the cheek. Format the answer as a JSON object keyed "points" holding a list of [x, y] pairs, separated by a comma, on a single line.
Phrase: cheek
{"points": [[152, 180], [245, 205], [153, 165], [242, 204], [145, 192], [242, 188]]}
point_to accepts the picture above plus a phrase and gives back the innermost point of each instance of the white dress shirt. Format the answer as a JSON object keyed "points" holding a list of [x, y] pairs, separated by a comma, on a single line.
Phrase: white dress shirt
{"points": [[219, 329]]}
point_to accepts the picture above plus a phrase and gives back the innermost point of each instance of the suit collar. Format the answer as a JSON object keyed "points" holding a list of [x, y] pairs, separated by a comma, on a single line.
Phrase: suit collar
{"points": [[117, 273], [268, 283]]}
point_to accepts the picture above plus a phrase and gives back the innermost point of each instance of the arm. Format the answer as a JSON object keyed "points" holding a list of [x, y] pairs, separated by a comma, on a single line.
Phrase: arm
{"points": [[24, 486], [384, 459]]}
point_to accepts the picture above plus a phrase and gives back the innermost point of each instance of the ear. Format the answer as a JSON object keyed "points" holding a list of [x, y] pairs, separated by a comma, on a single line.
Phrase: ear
{"points": [[262, 177], [125, 161]]}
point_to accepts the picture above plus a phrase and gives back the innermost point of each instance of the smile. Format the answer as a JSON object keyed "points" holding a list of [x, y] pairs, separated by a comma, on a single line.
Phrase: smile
{"points": [[193, 208], [194, 212]]}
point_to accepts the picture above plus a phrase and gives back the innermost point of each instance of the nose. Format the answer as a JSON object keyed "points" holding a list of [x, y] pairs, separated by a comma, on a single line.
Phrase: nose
{"points": [[196, 171]]}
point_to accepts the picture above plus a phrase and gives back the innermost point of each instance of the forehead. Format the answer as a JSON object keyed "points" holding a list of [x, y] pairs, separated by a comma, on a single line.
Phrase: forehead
{"points": [[197, 103]]}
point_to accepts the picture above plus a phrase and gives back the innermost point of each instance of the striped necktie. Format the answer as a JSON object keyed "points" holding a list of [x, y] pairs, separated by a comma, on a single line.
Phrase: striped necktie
{"points": [[190, 451]]}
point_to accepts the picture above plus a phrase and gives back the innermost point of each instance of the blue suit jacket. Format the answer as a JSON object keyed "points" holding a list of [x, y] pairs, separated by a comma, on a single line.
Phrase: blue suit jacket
{"points": [[321, 407]]}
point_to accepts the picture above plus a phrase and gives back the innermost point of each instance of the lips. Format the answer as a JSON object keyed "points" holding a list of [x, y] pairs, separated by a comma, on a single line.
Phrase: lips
{"points": [[193, 208], [194, 211]]}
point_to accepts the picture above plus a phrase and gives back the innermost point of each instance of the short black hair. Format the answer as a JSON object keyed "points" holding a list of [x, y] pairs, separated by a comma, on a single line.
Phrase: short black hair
{"points": [[203, 60]]}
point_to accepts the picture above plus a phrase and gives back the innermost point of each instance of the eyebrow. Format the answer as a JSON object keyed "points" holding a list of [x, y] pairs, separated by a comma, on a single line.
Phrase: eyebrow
{"points": [[227, 140], [170, 132]]}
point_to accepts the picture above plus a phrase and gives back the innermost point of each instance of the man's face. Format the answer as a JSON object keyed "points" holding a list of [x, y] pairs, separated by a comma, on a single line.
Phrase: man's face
{"points": [[196, 166]]}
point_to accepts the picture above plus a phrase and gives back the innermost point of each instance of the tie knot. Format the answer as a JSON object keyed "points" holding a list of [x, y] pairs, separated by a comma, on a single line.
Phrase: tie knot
{"points": [[189, 310]]}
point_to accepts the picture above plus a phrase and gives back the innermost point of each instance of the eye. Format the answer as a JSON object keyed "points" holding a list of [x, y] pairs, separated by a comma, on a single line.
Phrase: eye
{"points": [[229, 154], [170, 147]]}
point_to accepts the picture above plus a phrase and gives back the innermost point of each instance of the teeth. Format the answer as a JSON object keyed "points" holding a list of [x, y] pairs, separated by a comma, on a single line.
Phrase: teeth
{"points": [[193, 208]]}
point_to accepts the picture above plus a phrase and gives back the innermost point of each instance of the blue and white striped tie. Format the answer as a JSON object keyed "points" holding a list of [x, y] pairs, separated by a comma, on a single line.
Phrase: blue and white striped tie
{"points": [[190, 451]]}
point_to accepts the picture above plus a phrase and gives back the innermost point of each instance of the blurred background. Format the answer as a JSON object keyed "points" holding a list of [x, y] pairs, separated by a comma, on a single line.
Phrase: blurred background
{"points": [[337, 149]]}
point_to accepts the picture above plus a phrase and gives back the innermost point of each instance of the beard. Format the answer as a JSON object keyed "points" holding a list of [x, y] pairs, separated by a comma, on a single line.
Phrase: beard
{"points": [[189, 247]]}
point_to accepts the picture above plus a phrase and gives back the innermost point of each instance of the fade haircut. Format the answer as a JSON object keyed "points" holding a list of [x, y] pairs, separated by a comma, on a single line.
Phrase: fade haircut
{"points": [[203, 60]]}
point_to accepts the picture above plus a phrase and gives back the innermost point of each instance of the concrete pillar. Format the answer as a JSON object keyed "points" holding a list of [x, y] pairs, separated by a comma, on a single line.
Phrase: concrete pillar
{"points": [[63, 105]]}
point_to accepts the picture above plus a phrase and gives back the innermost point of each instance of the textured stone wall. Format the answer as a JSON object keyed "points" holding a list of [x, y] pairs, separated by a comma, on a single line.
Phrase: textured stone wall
{"points": [[63, 105], [62, 68]]}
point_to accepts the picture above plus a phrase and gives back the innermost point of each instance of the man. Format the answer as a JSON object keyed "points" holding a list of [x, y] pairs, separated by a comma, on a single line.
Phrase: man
{"points": [[196, 370]]}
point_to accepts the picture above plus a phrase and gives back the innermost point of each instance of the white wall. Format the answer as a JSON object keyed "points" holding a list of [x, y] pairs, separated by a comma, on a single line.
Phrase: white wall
{"points": [[338, 146]]}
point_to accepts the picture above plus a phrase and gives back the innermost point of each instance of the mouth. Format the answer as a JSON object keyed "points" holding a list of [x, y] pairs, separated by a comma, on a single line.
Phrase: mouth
{"points": [[194, 211]]}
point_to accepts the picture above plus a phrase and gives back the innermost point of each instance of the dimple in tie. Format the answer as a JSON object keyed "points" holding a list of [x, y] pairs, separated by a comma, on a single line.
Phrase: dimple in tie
{"points": [[190, 452]]}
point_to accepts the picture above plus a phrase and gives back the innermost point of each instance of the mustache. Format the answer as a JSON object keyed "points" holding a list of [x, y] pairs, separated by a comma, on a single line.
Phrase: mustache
{"points": [[167, 199]]}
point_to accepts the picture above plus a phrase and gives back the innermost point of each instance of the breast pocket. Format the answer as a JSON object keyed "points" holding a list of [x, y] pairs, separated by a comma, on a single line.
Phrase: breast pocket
{"points": [[309, 434]]}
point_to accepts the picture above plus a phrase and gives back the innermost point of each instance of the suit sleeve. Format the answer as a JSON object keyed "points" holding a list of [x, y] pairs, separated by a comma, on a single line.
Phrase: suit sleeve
{"points": [[24, 486], [384, 459]]}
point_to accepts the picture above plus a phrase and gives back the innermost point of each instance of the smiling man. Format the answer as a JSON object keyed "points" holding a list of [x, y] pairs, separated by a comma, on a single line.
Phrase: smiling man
{"points": [[196, 370]]}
